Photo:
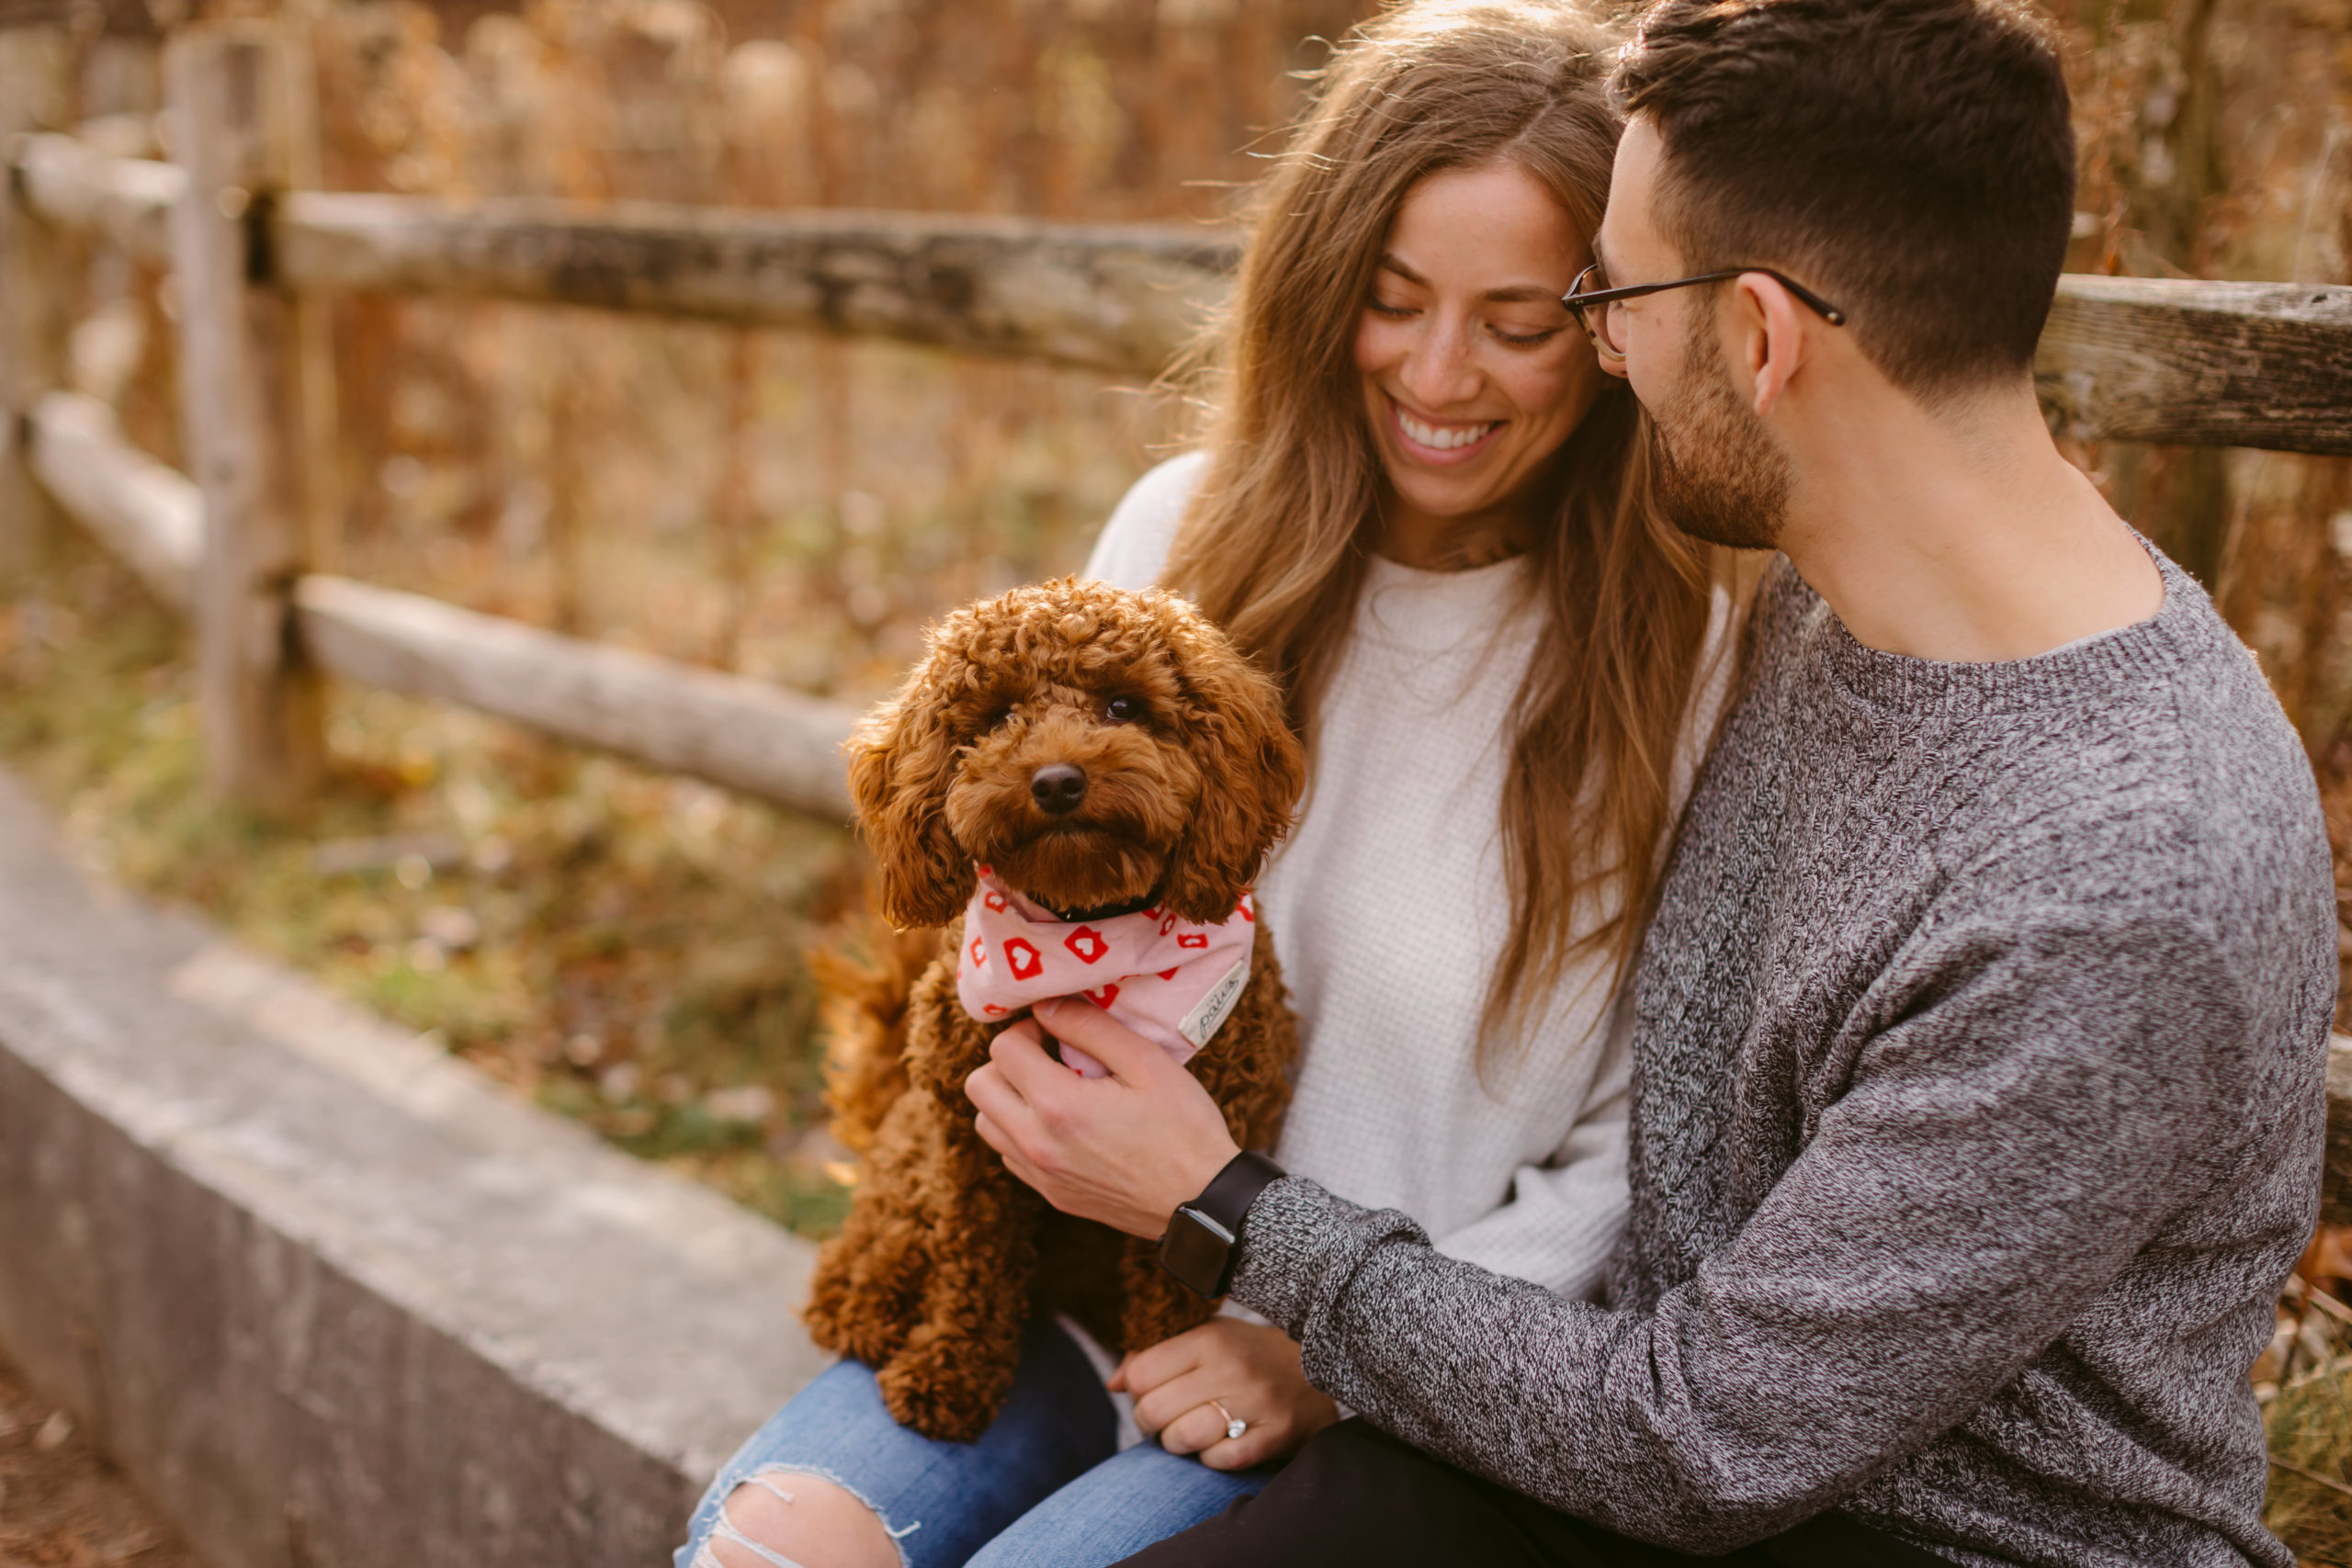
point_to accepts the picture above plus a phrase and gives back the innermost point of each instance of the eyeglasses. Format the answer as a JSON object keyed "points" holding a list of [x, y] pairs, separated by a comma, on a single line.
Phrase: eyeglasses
{"points": [[1604, 322]]}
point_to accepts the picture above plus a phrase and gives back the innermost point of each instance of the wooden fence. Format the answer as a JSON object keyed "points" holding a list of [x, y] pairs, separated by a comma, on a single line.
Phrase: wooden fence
{"points": [[2219, 364]]}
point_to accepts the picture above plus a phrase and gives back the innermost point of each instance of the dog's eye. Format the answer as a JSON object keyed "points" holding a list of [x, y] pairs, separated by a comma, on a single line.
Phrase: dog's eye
{"points": [[1123, 710]]}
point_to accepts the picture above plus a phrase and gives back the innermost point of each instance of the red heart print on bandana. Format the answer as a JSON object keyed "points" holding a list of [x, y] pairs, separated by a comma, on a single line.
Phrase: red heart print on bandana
{"points": [[979, 953], [1193, 939], [1245, 912], [995, 900], [1105, 996], [1168, 973], [1026, 962], [1088, 944], [1167, 925], [992, 1010]]}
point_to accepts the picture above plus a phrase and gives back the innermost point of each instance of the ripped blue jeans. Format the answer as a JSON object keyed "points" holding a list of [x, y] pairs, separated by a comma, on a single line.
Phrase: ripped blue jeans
{"points": [[1045, 1486]]}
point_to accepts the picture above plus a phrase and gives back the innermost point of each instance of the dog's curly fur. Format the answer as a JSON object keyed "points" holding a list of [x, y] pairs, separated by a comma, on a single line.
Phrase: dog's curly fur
{"points": [[863, 982], [945, 1255]]}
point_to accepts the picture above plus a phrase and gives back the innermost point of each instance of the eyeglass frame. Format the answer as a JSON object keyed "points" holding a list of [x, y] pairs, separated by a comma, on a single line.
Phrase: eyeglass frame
{"points": [[1577, 302]]}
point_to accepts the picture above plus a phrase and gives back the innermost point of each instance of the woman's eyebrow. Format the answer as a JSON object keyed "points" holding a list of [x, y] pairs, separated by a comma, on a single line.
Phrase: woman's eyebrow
{"points": [[1516, 294]]}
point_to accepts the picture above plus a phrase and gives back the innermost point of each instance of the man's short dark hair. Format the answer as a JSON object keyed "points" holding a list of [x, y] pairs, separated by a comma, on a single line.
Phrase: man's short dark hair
{"points": [[1912, 160]]}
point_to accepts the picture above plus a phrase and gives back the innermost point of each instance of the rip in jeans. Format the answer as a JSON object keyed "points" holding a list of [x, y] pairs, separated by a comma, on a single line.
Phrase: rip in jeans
{"points": [[723, 1527]]}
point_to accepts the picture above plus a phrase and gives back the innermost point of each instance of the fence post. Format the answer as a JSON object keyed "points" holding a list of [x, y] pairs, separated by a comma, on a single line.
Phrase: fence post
{"points": [[314, 313], [241, 404], [36, 83]]}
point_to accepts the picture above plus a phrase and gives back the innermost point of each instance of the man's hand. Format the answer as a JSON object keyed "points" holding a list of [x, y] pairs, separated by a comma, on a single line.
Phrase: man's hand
{"points": [[1252, 1369], [1124, 1149]]}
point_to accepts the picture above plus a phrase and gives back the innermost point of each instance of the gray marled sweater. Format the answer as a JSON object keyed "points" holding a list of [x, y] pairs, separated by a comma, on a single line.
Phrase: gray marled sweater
{"points": [[1977, 1114]]}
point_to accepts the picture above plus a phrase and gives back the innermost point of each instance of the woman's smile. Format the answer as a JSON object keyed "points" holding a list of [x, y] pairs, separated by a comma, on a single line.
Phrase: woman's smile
{"points": [[1441, 443]]}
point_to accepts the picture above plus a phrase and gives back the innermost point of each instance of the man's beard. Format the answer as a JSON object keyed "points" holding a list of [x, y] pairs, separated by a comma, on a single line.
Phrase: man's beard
{"points": [[1721, 476]]}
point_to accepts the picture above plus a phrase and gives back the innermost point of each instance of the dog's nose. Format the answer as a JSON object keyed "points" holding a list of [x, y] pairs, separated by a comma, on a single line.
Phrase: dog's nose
{"points": [[1057, 787]]}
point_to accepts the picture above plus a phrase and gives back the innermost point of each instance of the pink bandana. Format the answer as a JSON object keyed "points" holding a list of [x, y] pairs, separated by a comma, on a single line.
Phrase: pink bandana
{"points": [[1172, 981]]}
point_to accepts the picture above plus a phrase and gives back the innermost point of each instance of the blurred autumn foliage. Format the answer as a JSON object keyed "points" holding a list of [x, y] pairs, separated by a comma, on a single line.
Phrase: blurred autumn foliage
{"points": [[790, 506]]}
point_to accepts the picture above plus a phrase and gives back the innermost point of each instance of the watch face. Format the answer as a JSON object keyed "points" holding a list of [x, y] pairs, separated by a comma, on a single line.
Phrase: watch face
{"points": [[1196, 1250]]}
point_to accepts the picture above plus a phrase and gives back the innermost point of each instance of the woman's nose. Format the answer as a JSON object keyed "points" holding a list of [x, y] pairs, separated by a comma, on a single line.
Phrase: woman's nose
{"points": [[1438, 370]]}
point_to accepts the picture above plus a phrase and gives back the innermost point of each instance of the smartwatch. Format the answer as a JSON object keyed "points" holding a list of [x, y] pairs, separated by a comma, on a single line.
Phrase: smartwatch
{"points": [[1201, 1245]]}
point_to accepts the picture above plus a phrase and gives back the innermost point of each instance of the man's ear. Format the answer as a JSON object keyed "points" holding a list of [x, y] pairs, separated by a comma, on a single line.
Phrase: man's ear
{"points": [[902, 758], [1767, 324]]}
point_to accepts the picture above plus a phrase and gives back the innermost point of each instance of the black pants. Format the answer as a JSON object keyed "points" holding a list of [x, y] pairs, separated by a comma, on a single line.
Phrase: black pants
{"points": [[1355, 1497]]}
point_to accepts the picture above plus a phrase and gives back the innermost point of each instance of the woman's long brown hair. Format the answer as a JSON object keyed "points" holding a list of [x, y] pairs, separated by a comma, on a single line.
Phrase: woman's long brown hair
{"points": [[1274, 542]]}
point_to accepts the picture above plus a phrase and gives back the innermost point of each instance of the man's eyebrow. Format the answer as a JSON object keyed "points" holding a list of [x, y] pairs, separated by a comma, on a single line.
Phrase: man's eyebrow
{"points": [[1601, 257]]}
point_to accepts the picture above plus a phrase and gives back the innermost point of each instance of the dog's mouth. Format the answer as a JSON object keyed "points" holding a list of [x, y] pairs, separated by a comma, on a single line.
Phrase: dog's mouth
{"points": [[1107, 912], [1081, 870]]}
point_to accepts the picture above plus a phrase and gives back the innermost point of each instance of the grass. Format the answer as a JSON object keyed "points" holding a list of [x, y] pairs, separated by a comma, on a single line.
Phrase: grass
{"points": [[2310, 1424], [624, 946]]}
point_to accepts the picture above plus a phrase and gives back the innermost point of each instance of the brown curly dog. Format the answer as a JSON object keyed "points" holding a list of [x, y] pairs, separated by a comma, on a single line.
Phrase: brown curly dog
{"points": [[1189, 774]]}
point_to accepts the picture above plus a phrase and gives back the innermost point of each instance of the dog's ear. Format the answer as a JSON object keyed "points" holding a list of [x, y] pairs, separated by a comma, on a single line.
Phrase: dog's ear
{"points": [[902, 757], [1252, 769]]}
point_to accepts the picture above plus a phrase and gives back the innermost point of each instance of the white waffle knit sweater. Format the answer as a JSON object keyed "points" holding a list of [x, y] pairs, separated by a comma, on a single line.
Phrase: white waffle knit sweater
{"points": [[1389, 906]]}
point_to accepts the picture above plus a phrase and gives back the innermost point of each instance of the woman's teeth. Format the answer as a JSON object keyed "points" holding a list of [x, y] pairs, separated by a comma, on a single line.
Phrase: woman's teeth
{"points": [[1444, 438]]}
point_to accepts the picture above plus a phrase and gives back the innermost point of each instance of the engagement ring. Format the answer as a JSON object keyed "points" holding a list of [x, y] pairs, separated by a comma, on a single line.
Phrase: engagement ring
{"points": [[1234, 1425]]}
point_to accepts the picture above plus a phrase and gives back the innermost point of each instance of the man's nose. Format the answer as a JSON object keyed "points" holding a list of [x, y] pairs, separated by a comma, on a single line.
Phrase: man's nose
{"points": [[1057, 787]]}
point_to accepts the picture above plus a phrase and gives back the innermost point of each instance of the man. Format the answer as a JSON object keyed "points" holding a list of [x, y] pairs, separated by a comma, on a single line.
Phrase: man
{"points": [[1979, 1029]]}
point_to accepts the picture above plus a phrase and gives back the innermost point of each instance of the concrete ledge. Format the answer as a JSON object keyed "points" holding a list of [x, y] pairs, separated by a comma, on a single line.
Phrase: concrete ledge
{"points": [[330, 1296]]}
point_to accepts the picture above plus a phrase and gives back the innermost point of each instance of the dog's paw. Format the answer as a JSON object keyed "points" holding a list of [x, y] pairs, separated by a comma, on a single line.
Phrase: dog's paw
{"points": [[946, 1388], [867, 1293], [858, 1325], [863, 1335]]}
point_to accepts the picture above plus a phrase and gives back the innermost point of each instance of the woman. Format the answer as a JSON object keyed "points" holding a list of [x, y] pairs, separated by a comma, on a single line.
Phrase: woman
{"points": [[1423, 504]]}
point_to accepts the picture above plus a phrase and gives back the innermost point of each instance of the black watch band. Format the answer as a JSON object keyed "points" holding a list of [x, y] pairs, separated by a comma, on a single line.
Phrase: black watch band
{"points": [[1202, 1240]]}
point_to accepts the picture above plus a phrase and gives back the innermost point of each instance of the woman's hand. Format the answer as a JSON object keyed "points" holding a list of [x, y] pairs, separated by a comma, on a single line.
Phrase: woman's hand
{"points": [[1252, 1369], [1124, 1149]]}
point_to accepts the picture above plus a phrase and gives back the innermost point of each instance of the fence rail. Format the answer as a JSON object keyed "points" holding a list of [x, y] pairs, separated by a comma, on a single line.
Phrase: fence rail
{"points": [[150, 515], [1111, 298], [75, 186], [2200, 364], [747, 735], [2184, 361]]}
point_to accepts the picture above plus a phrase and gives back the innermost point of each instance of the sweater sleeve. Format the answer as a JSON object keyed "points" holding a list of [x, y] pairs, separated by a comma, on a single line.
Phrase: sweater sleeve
{"points": [[2039, 1098], [1131, 549], [1563, 1218]]}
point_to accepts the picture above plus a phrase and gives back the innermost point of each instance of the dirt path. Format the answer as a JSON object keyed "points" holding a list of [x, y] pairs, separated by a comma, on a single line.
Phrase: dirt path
{"points": [[61, 1505]]}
